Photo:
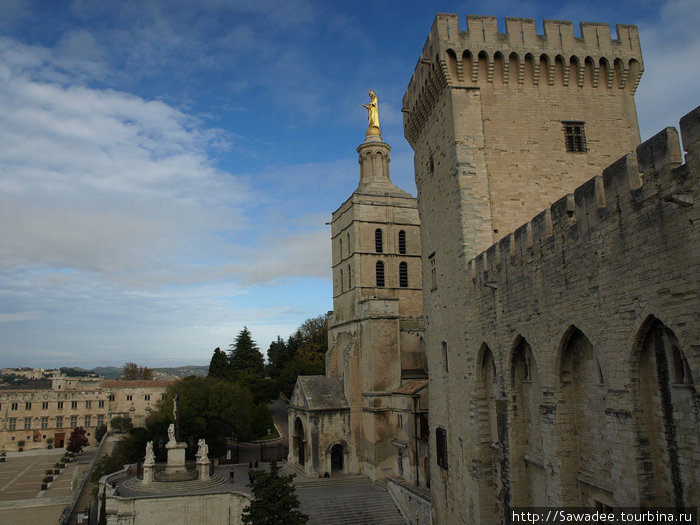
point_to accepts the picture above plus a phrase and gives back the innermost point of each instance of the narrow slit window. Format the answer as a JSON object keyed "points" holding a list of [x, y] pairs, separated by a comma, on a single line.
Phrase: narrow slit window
{"points": [[403, 275], [380, 274], [378, 241], [402, 242]]}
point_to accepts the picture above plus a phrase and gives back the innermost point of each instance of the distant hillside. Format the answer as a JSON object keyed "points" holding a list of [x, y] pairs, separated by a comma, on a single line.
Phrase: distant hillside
{"points": [[113, 372]]}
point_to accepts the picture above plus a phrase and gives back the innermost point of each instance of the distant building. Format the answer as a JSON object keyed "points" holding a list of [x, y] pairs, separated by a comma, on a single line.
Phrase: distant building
{"points": [[35, 416]]}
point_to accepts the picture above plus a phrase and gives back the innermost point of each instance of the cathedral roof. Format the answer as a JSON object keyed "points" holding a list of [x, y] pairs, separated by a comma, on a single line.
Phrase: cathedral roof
{"points": [[319, 393]]}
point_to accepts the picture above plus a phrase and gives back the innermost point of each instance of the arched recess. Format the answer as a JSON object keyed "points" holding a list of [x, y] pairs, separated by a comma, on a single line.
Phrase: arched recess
{"points": [[574, 71], [483, 76], [618, 73], [634, 75], [451, 57], [529, 73], [666, 413], [559, 70], [546, 70], [527, 472], [337, 454], [604, 76], [499, 67], [488, 437], [468, 67], [299, 441], [589, 79], [513, 69], [582, 434]]}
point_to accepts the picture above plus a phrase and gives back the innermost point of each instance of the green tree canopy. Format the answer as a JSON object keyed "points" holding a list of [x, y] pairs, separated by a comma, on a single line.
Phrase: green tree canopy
{"points": [[276, 500], [219, 365], [132, 371], [245, 355]]}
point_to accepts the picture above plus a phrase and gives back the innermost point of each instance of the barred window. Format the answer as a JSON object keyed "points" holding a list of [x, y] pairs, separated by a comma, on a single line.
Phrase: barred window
{"points": [[403, 275], [378, 241], [575, 137], [402, 242], [441, 447], [380, 274]]}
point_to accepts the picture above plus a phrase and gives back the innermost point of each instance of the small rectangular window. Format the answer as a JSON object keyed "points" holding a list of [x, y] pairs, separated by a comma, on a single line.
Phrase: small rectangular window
{"points": [[13, 406], [88, 404], [87, 421], [74, 404], [45, 405], [44, 423], [73, 421], [27, 423], [12, 424], [59, 421], [101, 403], [433, 272], [111, 397], [441, 447], [129, 397], [28, 405], [402, 242], [147, 397], [378, 241], [575, 137], [59, 405]]}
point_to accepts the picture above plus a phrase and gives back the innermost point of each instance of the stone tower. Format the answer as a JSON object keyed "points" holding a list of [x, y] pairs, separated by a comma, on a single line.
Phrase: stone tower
{"points": [[558, 254], [368, 414], [374, 330], [503, 124]]}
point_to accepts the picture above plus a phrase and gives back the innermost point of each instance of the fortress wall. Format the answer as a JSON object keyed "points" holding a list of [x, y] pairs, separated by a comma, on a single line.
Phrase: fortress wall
{"points": [[618, 252]]}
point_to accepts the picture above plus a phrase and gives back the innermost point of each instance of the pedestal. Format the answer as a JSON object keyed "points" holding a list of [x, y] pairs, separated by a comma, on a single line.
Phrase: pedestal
{"points": [[203, 469], [148, 472], [176, 457]]}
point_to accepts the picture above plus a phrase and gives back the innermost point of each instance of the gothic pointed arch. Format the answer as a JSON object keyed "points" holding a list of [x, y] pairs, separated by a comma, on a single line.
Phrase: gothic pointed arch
{"points": [[666, 415], [528, 476], [583, 438]]}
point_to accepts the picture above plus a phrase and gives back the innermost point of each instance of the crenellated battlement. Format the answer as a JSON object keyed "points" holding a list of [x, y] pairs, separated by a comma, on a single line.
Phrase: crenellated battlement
{"points": [[653, 180], [482, 57]]}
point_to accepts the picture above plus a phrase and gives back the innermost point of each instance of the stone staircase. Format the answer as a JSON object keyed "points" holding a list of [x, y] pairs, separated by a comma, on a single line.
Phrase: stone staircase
{"points": [[344, 500], [173, 487]]}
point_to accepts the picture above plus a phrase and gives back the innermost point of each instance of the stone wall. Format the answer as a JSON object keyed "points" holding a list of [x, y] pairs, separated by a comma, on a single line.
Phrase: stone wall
{"points": [[570, 377]]}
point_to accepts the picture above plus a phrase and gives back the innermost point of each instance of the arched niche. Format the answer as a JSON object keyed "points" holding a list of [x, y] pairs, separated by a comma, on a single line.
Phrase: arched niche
{"points": [[666, 414]]}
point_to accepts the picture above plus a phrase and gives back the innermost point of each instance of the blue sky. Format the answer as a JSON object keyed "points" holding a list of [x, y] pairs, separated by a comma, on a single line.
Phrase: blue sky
{"points": [[167, 167]]}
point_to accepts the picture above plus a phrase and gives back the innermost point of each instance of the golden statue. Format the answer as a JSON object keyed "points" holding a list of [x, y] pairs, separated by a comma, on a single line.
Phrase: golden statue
{"points": [[372, 115]]}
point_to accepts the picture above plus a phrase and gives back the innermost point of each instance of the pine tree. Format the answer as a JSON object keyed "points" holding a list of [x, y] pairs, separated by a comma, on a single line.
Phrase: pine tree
{"points": [[245, 355], [275, 502], [219, 365]]}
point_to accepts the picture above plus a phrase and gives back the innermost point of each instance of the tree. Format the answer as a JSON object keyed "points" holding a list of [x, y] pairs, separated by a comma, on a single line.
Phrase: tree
{"points": [[121, 423], [77, 440], [132, 372], [245, 355], [100, 431], [219, 366], [275, 500], [278, 356]]}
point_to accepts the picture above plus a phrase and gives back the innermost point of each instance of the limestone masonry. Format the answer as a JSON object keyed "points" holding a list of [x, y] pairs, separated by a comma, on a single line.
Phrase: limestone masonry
{"points": [[562, 344]]}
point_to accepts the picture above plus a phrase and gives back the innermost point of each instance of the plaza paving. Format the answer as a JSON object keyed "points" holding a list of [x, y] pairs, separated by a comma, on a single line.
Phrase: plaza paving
{"points": [[21, 499]]}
